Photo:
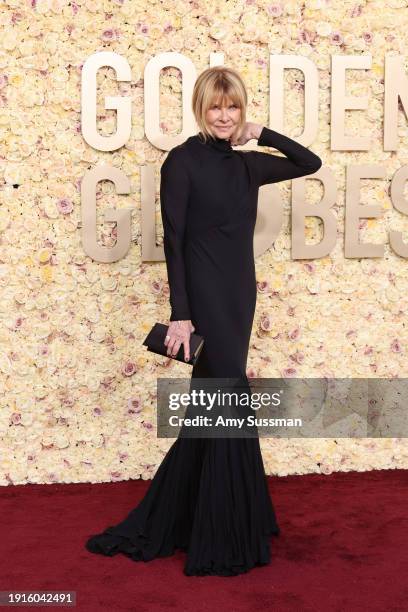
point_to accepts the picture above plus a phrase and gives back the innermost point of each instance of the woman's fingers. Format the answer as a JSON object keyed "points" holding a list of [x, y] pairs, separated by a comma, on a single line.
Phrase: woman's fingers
{"points": [[186, 345], [170, 345], [169, 341], [179, 334], [173, 346]]}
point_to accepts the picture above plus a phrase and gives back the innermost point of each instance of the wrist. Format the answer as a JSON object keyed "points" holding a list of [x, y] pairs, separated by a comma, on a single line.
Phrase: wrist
{"points": [[256, 131]]}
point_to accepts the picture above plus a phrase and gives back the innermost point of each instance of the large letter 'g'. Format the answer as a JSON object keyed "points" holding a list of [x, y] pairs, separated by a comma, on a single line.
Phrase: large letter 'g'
{"points": [[122, 216]]}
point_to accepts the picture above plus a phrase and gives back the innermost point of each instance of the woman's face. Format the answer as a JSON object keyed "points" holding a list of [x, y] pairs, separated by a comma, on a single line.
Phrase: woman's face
{"points": [[223, 118]]}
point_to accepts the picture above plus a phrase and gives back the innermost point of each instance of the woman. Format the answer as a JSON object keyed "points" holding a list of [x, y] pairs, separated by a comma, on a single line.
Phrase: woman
{"points": [[209, 497]]}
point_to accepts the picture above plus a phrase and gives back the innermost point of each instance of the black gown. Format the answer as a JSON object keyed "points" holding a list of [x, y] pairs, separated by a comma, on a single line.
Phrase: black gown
{"points": [[209, 496]]}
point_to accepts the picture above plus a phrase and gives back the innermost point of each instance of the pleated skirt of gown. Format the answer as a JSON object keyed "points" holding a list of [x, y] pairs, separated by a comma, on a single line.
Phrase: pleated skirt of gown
{"points": [[209, 498]]}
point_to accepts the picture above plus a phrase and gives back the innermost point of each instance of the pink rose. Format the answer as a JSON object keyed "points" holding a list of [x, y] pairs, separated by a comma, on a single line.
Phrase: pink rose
{"points": [[15, 418], [265, 323], [157, 286], [356, 10], [310, 267], [294, 334], [336, 38], [18, 323], [262, 286], [129, 368], [297, 357], [395, 346], [110, 34], [275, 10], [65, 206], [134, 405]]}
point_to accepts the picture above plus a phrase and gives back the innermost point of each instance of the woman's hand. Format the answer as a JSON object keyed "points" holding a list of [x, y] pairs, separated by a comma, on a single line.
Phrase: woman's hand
{"points": [[248, 132], [178, 334]]}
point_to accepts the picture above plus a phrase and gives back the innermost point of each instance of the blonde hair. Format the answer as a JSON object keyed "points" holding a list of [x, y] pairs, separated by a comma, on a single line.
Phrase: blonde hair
{"points": [[215, 85]]}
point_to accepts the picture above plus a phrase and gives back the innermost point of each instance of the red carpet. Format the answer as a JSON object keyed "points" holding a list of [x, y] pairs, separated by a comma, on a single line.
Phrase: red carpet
{"points": [[344, 546]]}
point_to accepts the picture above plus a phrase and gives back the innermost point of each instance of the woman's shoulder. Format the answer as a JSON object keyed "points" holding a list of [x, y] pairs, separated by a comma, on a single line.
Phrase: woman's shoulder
{"points": [[182, 154], [180, 151], [176, 161]]}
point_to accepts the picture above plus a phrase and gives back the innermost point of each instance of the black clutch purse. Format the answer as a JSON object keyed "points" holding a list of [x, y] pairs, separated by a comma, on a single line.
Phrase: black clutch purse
{"points": [[155, 343]]}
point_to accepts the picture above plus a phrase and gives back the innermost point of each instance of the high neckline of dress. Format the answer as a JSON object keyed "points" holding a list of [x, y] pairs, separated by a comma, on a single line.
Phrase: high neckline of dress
{"points": [[221, 144]]}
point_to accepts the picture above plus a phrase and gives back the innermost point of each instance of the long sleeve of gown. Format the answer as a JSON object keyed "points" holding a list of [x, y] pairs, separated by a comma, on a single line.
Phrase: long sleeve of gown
{"points": [[174, 196], [269, 168]]}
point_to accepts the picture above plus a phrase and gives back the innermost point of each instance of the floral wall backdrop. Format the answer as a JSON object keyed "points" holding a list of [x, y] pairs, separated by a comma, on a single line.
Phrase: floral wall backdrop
{"points": [[77, 388]]}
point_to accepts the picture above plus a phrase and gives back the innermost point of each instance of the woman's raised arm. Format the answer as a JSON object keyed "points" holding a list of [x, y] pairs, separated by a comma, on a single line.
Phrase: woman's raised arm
{"points": [[174, 196], [269, 168]]}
